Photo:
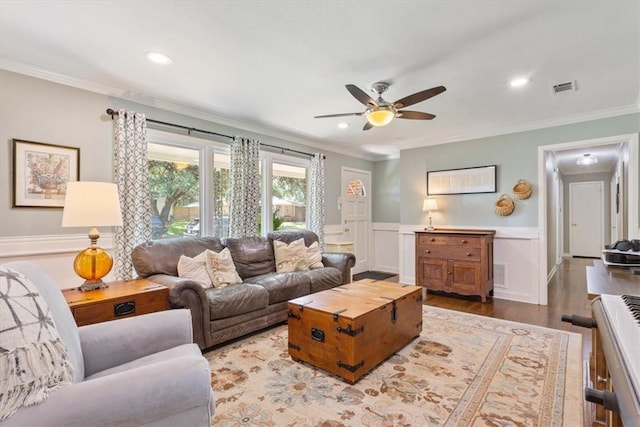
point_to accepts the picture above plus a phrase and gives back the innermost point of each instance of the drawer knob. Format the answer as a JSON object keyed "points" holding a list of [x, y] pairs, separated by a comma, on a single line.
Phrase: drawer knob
{"points": [[463, 241], [428, 251], [468, 253], [449, 272], [433, 239]]}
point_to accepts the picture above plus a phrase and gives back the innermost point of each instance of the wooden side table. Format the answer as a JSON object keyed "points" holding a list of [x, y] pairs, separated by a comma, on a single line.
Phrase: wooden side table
{"points": [[124, 298]]}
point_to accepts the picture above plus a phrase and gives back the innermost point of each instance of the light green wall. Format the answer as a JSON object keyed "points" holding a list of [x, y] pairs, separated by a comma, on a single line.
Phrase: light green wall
{"points": [[386, 185], [516, 156], [38, 110]]}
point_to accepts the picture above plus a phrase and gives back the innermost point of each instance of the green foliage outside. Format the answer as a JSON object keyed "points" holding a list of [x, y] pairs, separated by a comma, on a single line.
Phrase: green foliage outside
{"points": [[181, 186]]}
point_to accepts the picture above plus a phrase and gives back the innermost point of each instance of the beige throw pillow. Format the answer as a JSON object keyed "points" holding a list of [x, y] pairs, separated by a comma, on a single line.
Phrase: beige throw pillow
{"points": [[290, 257], [195, 268], [314, 257], [221, 269]]}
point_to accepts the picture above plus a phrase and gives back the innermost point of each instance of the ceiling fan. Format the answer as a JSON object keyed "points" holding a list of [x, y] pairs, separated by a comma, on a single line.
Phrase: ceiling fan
{"points": [[381, 112]]}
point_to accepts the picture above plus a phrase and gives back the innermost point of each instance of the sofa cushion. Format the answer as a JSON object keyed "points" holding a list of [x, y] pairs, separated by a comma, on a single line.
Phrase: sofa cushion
{"points": [[195, 268], [236, 299], [252, 256], [283, 286], [161, 256], [323, 278], [290, 256], [314, 256], [221, 269]]}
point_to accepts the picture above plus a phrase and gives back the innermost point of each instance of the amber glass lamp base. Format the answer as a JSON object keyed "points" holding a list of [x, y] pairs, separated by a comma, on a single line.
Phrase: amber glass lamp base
{"points": [[93, 264]]}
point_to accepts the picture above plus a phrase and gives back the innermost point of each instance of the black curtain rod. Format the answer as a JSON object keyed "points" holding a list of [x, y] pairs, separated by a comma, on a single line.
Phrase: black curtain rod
{"points": [[113, 113]]}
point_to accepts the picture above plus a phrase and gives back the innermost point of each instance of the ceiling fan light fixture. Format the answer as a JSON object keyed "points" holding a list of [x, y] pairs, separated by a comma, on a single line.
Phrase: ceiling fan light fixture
{"points": [[380, 116], [586, 160]]}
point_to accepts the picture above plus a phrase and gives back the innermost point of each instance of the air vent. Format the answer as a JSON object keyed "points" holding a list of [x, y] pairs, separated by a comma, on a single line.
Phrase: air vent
{"points": [[564, 87]]}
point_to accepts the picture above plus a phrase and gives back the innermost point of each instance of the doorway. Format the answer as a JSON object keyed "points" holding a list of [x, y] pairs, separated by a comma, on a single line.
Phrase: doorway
{"points": [[586, 218], [356, 214], [628, 203]]}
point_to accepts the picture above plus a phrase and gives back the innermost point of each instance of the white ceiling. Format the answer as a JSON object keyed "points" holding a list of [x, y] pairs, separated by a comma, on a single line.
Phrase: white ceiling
{"points": [[270, 66]]}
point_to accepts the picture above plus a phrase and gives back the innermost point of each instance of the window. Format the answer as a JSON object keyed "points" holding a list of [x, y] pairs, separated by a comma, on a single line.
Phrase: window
{"points": [[289, 196], [189, 180], [174, 187]]}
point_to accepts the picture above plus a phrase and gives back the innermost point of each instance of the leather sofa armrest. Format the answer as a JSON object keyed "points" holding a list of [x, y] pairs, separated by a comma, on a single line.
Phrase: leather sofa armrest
{"points": [[186, 293], [342, 261]]}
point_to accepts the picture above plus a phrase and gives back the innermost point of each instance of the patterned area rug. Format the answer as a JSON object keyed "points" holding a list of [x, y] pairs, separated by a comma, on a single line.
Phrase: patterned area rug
{"points": [[463, 370]]}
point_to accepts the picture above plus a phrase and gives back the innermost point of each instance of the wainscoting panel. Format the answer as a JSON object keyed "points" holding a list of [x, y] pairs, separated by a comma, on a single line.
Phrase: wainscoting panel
{"points": [[516, 259], [54, 254], [386, 256]]}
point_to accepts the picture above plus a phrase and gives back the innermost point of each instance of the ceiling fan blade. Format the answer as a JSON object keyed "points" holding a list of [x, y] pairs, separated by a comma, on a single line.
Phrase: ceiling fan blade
{"points": [[414, 115], [361, 95], [367, 126], [419, 97], [337, 115]]}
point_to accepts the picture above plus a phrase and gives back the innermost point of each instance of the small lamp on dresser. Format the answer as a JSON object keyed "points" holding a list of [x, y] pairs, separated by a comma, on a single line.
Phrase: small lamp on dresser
{"points": [[92, 204], [429, 205]]}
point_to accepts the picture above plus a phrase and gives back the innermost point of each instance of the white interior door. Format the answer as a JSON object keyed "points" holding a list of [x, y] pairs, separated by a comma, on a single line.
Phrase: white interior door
{"points": [[356, 214], [586, 213]]}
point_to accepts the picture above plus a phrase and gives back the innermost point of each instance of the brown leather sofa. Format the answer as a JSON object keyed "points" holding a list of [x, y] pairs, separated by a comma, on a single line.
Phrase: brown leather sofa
{"points": [[222, 314]]}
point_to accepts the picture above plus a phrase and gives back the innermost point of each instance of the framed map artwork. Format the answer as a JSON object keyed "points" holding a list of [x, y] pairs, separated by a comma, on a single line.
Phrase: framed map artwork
{"points": [[41, 172]]}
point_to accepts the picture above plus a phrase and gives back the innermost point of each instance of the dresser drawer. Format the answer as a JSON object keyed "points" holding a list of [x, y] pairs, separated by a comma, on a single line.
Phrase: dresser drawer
{"points": [[449, 252], [449, 240]]}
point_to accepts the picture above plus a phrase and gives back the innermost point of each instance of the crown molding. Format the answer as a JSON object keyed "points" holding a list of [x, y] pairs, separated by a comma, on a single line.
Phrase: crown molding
{"points": [[168, 105], [543, 124]]}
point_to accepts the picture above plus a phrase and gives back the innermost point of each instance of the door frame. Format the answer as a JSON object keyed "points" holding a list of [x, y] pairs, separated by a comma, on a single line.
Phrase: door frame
{"points": [[369, 231], [631, 204], [602, 212]]}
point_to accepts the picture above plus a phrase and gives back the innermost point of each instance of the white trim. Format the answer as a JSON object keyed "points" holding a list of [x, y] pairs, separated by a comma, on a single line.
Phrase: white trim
{"points": [[168, 105], [578, 118], [50, 244], [523, 233]]}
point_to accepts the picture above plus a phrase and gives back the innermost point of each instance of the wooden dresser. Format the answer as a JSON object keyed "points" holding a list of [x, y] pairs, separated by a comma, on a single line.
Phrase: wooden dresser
{"points": [[458, 261]]}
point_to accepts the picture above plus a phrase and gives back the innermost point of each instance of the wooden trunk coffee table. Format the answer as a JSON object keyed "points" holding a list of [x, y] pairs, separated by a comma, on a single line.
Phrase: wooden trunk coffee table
{"points": [[350, 329]]}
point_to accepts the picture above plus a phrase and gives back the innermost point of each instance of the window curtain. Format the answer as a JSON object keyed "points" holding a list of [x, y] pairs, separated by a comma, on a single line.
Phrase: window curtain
{"points": [[131, 174], [245, 187], [317, 197]]}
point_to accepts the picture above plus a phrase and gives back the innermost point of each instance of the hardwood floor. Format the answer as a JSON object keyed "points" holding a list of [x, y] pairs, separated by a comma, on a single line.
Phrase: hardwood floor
{"points": [[567, 294]]}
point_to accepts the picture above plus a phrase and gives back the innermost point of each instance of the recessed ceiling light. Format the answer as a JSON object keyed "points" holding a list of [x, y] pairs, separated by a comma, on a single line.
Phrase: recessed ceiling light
{"points": [[158, 58], [520, 81], [343, 125]]}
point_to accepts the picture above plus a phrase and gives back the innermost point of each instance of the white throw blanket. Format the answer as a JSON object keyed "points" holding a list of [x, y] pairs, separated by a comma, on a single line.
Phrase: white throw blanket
{"points": [[33, 359]]}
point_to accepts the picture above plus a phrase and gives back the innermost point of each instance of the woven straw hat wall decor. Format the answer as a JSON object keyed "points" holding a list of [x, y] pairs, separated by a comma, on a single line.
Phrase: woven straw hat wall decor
{"points": [[504, 206], [522, 190]]}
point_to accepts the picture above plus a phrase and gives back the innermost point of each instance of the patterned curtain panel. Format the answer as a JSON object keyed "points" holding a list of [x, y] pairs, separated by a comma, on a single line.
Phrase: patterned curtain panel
{"points": [[316, 197], [132, 177], [245, 187]]}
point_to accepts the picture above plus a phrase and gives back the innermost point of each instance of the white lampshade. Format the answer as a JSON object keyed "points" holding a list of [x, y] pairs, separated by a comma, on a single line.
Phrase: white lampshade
{"points": [[380, 117], [429, 205], [91, 204]]}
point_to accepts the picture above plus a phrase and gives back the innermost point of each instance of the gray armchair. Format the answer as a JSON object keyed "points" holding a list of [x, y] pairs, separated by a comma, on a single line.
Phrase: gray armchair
{"points": [[138, 371]]}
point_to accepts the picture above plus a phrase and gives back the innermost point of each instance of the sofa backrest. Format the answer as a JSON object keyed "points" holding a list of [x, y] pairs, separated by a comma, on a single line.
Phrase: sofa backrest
{"points": [[289, 236], [252, 256], [162, 256]]}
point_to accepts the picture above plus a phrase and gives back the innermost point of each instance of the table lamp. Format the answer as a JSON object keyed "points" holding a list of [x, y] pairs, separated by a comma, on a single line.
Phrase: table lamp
{"points": [[428, 206], [92, 204]]}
